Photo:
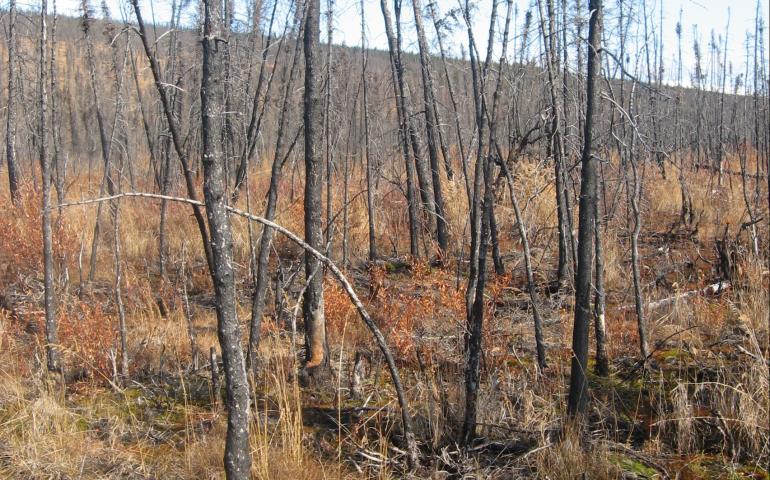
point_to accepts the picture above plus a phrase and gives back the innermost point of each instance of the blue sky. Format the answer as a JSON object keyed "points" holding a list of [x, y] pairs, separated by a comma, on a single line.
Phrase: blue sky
{"points": [[708, 15]]}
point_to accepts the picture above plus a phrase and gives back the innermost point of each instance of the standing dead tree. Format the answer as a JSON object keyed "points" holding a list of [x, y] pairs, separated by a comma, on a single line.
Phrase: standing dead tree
{"points": [[480, 218], [51, 324], [379, 338], [280, 155], [316, 367], [555, 145], [397, 79], [173, 126], [260, 100], [370, 183], [430, 111], [105, 140], [237, 453], [10, 125], [578, 388], [437, 23]]}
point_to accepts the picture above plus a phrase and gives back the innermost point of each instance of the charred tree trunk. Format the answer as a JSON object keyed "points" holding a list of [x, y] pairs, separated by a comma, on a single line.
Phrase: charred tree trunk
{"points": [[634, 192], [105, 141], [555, 144], [578, 388], [531, 287], [51, 327], [432, 126], [317, 348], [411, 194], [237, 454], [370, 184], [119, 293], [10, 130], [602, 366], [266, 240], [453, 100], [176, 136], [59, 166], [480, 215]]}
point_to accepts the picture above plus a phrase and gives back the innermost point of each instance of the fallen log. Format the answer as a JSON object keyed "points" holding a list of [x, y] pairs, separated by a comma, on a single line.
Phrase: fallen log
{"points": [[711, 290]]}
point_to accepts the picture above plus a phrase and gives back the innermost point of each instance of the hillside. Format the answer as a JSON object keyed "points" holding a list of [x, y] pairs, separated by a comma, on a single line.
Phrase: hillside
{"points": [[452, 273]]}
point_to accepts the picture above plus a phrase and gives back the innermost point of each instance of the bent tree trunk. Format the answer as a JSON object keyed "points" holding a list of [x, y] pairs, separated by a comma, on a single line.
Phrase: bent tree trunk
{"points": [[382, 344], [237, 455]]}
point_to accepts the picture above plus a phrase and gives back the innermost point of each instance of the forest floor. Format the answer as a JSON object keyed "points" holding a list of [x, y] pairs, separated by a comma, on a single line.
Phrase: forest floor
{"points": [[698, 410]]}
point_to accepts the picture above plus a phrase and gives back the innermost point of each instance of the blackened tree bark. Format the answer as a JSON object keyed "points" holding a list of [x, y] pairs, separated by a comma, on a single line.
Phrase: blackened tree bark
{"points": [[480, 110], [257, 110], [122, 334], [51, 330], [237, 454], [328, 147], [105, 141], [395, 68], [602, 366], [370, 184], [578, 388], [276, 174], [497, 258], [173, 127], [58, 165], [634, 192], [542, 362], [317, 348], [555, 146], [431, 125], [422, 167], [480, 216], [165, 175], [10, 130], [439, 38]]}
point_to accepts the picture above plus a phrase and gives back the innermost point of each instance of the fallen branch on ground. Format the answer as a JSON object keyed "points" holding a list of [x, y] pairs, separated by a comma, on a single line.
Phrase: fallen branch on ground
{"points": [[707, 291], [367, 319]]}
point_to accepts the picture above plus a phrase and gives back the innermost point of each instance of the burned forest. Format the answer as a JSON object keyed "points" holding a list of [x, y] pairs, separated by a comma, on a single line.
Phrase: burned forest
{"points": [[319, 239]]}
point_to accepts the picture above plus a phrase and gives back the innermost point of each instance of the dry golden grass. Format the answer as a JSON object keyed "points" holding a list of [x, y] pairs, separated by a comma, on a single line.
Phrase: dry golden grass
{"points": [[163, 425]]}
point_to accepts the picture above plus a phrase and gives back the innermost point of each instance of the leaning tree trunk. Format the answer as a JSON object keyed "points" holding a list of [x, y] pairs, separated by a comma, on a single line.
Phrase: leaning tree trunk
{"points": [[105, 141], [317, 348], [542, 362], [578, 388], [237, 454], [265, 245], [176, 136], [432, 126], [411, 195]]}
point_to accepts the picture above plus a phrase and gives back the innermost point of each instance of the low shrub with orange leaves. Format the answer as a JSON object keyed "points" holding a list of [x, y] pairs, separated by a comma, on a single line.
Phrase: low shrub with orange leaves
{"points": [[403, 306]]}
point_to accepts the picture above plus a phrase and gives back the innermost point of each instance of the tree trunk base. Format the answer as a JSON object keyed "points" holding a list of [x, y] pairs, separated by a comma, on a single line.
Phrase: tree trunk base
{"points": [[319, 376]]}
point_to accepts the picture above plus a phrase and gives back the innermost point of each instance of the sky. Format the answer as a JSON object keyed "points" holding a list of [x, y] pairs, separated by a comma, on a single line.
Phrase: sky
{"points": [[708, 15]]}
